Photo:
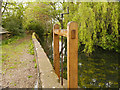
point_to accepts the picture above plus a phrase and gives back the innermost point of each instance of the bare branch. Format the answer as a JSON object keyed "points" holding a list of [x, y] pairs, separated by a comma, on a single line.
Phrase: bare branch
{"points": [[4, 8]]}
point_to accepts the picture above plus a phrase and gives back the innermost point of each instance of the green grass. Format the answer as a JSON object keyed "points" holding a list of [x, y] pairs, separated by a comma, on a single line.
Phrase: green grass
{"points": [[29, 76], [15, 84], [4, 57], [31, 49], [15, 63], [35, 65], [12, 49], [12, 67], [34, 60], [12, 40]]}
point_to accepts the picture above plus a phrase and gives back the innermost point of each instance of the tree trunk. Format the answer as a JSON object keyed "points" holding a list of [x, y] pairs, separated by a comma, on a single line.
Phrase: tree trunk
{"points": [[0, 12]]}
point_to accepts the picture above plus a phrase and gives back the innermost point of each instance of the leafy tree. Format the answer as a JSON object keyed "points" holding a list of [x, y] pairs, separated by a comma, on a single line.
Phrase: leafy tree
{"points": [[36, 18], [98, 24], [12, 17]]}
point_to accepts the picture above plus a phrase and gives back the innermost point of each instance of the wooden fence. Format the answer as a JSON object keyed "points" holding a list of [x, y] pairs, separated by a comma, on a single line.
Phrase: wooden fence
{"points": [[72, 52]]}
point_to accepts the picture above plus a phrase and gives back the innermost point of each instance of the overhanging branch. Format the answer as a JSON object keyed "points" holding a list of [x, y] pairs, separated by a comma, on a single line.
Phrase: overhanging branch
{"points": [[4, 8]]}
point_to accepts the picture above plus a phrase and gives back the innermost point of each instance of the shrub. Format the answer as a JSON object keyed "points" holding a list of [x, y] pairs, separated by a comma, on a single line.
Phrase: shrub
{"points": [[13, 25]]}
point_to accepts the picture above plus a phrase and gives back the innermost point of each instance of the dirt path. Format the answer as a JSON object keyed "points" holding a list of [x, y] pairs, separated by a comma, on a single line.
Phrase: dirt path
{"points": [[18, 66]]}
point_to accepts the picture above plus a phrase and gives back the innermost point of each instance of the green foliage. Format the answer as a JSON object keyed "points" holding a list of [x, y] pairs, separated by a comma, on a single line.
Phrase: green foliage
{"points": [[12, 19], [35, 65], [98, 24], [37, 18], [95, 71], [11, 40], [4, 57], [34, 60], [13, 25], [12, 67], [31, 48], [29, 76]]}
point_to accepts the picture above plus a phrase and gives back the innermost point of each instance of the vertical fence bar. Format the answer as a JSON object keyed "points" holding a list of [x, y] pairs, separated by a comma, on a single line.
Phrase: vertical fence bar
{"points": [[72, 55], [56, 56]]}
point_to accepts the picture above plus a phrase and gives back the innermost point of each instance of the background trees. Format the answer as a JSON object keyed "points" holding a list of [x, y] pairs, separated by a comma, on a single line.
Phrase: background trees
{"points": [[12, 17], [98, 24], [99, 30], [98, 21]]}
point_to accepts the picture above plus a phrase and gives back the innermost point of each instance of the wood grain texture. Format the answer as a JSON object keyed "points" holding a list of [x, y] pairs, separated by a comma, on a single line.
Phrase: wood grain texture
{"points": [[72, 55], [61, 32], [56, 56]]}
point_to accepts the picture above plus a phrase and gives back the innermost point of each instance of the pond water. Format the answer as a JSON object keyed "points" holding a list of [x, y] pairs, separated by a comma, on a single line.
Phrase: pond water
{"points": [[100, 70]]}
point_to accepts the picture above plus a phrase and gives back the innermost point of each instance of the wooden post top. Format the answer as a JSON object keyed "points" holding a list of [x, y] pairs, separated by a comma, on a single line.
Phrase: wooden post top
{"points": [[56, 26], [71, 25]]}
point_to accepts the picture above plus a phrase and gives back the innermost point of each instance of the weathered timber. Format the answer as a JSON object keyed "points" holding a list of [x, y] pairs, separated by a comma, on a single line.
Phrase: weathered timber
{"points": [[72, 55], [56, 51], [61, 32], [72, 52]]}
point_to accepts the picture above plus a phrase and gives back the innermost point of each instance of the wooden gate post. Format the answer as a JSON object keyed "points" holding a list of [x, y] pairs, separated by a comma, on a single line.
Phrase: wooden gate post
{"points": [[72, 55], [56, 56]]}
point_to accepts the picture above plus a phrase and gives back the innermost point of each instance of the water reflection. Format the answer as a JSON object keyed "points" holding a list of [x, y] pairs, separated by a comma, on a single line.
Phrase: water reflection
{"points": [[97, 71]]}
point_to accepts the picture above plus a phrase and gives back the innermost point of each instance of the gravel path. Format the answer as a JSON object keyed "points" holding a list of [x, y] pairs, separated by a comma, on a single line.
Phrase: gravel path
{"points": [[18, 68]]}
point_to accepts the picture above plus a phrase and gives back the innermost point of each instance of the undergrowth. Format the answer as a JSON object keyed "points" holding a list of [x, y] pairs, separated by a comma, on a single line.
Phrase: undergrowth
{"points": [[31, 48], [12, 40]]}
